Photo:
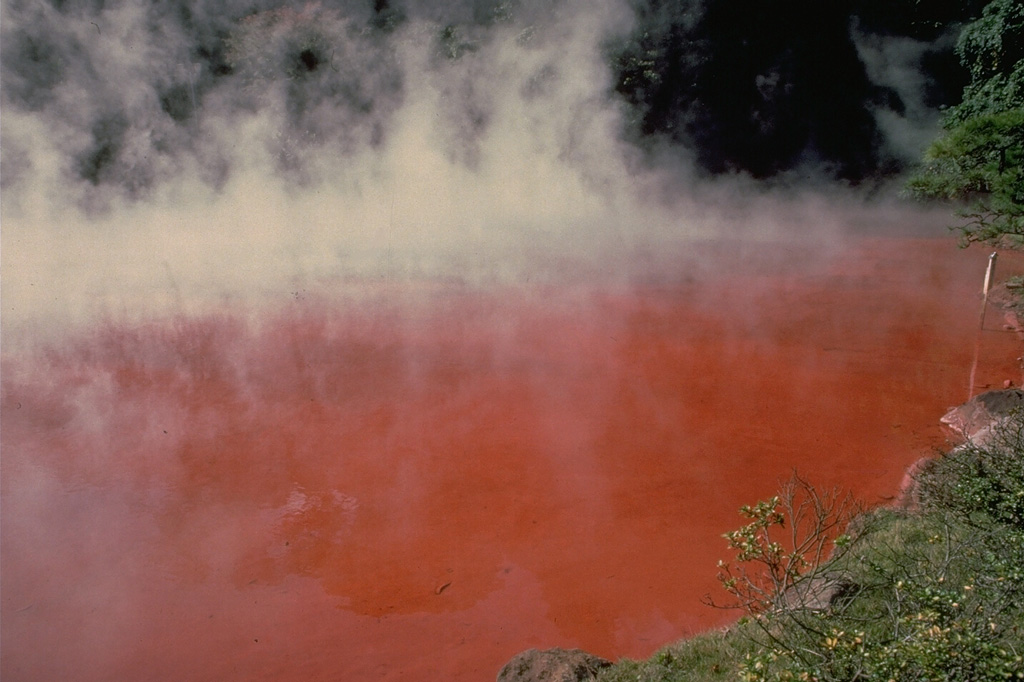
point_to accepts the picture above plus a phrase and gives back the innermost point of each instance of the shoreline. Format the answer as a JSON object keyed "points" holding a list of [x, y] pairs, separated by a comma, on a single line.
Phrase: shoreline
{"points": [[971, 422]]}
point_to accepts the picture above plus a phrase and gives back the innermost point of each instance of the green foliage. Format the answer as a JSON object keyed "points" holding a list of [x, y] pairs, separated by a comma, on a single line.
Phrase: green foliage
{"points": [[929, 607], [939, 592], [993, 45], [1000, 92], [991, 48], [707, 657], [978, 481], [779, 551], [925, 650], [978, 161], [981, 164]]}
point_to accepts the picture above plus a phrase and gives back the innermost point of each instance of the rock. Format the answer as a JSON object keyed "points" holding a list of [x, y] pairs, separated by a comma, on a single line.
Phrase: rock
{"points": [[974, 421], [975, 418], [818, 593], [552, 665]]}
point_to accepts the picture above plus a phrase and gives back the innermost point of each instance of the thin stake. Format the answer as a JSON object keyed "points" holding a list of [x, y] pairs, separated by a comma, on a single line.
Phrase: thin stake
{"points": [[989, 271], [988, 283]]}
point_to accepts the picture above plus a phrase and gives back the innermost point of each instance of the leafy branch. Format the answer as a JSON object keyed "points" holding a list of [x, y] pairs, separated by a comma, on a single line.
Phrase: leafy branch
{"points": [[779, 552]]}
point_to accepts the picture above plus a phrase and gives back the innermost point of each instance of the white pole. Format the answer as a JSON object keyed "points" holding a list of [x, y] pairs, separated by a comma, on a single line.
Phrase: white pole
{"points": [[988, 284], [989, 271]]}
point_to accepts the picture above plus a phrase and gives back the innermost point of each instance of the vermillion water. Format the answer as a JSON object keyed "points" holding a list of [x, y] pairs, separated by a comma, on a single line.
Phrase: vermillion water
{"points": [[415, 480]]}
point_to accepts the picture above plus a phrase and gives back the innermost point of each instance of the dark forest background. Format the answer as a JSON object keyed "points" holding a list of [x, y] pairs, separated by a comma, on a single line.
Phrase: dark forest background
{"points": [[772, 89]]}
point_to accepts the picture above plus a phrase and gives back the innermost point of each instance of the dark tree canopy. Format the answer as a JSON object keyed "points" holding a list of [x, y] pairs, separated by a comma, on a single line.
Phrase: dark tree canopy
{"points": [[978, 160], [769, 87]]}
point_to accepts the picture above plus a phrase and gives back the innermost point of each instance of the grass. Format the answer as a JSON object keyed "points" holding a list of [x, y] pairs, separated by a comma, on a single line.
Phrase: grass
{"points": [[709, 656], [932, 593]]}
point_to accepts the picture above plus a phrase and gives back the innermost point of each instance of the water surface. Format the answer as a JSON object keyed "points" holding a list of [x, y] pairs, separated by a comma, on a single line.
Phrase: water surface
{"points": [[416, 479]]}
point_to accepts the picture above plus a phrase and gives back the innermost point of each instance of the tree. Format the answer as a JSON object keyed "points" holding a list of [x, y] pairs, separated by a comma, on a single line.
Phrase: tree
{"points": [[769, 88], [977, 160]]}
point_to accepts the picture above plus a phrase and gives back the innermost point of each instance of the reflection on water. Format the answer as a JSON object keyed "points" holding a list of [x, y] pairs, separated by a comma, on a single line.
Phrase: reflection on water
{"points": [[384, 483]]}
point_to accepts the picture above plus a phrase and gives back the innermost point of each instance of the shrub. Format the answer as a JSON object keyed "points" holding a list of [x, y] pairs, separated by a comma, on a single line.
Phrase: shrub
{"points": [[779, 552], [981, 482], [940, 591], [936, 593]]}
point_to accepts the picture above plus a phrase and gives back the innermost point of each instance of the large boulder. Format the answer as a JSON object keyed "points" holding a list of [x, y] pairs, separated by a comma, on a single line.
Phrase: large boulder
{"points": [[552, 665], [974, 419]]}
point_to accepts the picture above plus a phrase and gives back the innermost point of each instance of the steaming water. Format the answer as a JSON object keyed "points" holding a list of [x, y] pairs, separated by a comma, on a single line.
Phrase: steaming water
{"points": [[418, 480], [299, 383]]}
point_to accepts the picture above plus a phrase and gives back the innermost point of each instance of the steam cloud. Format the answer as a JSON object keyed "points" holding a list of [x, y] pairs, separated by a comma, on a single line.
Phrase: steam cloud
{"points": [[130, 98], [156, 151]]}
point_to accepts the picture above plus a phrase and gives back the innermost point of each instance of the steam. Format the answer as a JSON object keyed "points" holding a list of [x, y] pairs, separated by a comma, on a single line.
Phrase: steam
{"points": [[158, 156], [893, 63], [137, 177], [131, 102]]}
